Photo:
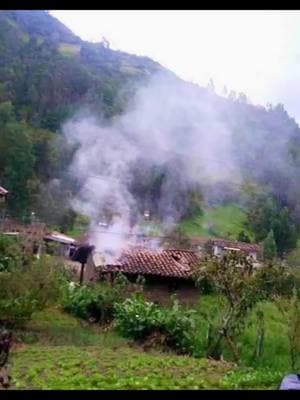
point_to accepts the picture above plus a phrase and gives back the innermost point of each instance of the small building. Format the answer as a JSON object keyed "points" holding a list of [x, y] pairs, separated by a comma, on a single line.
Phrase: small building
{"points": [[166, 272], [217, 247], [3, 193], [59, 244]]}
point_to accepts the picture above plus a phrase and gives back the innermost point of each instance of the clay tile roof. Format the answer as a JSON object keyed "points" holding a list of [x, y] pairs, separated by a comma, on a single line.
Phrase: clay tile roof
{"points": [[165, 263]]}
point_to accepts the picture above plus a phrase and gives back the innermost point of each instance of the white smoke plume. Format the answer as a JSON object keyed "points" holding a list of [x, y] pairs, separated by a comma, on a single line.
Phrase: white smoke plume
{"points": [[168, 124]]}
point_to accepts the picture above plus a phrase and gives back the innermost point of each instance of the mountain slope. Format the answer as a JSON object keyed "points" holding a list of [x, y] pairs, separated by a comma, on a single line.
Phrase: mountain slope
{"points": [[48, 72]]}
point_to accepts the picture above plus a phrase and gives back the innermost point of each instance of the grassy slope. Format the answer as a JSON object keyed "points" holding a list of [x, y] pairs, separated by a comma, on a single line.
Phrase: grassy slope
{"points": [[68, 355], [222, 221], [60, 352]]}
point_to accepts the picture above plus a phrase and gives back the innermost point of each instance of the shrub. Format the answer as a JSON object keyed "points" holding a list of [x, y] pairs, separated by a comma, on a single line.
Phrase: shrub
{"points": [[10, 252], [179, 325], [269, 246], [27, 289], [79, 301], [96, 302], [205, 286], [139, 319], [234, 276]]}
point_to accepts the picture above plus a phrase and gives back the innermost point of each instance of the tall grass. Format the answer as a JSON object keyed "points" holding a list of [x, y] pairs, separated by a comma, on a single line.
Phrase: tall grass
{"points": [[276, 345]]}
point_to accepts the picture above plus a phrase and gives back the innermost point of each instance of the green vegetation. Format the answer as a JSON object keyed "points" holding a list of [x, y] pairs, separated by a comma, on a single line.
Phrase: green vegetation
{"points": [[59, 351], [225, 221], [171, 328], [10, 252], [68, 49], [48, 75], [269, 246], [63, 353], [233, 277], [265, 215], [27, 284], [97, 302], [249, 327], [42, 84], [25, 290]]}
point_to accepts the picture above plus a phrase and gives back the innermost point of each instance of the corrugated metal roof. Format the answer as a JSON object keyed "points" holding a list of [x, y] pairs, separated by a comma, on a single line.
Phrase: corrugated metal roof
{"points": [[59, 237], [3, 191]]}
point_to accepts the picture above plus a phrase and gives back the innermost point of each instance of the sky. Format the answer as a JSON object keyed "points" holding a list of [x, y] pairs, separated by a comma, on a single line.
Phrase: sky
{"points": [[254, 52]]}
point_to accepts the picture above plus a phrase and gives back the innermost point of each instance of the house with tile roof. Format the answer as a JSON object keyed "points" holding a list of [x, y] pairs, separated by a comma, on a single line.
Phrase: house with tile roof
{"points": [[166, 271], [168, 263], [218, 247]]}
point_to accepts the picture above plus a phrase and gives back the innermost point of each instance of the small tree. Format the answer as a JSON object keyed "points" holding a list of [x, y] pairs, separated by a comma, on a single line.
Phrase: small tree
{"points": [[25, 289], [243, 237], [269, 247], [293, 258], [234, 277], [10, 252], [290, 309]]}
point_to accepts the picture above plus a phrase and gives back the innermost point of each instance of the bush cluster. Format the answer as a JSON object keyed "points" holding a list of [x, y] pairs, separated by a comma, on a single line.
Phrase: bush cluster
{"points": [[25, 289], [97, 302], [138, 319]]}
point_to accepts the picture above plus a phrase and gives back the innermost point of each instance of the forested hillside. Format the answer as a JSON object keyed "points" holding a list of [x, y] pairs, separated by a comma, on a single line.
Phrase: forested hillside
{"points": [[48, 74]]}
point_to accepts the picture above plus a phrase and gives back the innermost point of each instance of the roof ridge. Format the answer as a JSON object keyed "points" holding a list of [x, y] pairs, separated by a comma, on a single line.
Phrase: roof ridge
{"points": [[183, 250]]}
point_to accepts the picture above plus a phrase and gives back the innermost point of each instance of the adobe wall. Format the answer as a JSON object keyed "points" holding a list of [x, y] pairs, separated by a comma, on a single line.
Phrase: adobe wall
{"points": [[162, 294]]}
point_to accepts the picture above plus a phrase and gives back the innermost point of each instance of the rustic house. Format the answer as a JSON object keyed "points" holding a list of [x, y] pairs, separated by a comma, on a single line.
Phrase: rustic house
{"points": [[166, 272], [37, 238], [32, 235], [59, 244], [3, 193], [217, 247]]}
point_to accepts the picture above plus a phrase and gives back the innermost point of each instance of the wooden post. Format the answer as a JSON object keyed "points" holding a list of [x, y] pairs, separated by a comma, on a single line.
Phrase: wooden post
{"points": [[81, 273]]}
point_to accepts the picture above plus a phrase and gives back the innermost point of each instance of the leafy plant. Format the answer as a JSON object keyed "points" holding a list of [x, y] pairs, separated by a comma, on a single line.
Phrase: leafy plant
{"points": [[233, 276], [137, 318], [29, 288], [179, 325], [10, 252], [249, 379], [174, 327], [290, 309], [269, 246], [96, 302]]}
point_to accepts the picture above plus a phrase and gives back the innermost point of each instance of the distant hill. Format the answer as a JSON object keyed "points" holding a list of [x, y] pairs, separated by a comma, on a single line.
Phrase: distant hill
{"points": [[47, 74]]}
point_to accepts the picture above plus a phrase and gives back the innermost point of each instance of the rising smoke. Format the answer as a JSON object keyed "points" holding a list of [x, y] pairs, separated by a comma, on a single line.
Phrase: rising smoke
{"points": [[170, 124]]}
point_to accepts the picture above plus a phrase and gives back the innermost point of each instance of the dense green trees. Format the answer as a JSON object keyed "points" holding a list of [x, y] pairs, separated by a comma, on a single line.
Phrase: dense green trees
{"points": [[243, 237], [17, 160], [269, 247], [264, 215], [41, 86], [47, 74]]}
